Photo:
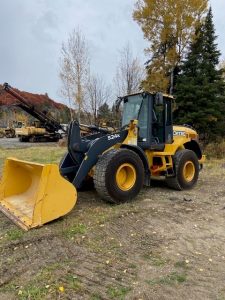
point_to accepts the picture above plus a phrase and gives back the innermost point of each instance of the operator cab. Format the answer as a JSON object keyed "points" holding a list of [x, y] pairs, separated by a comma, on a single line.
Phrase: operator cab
{"points": [[154, 115]]}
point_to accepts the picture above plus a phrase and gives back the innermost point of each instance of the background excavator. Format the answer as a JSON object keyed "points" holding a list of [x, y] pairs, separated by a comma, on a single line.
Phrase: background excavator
{"points": [[146, 146], [45, 129]]}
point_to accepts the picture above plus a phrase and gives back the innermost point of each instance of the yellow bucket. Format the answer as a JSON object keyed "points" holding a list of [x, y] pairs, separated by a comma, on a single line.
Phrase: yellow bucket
{"points": [[33, 194]]}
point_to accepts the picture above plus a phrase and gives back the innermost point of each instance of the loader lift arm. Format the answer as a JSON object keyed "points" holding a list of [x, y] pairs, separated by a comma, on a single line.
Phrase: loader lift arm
{"points": [[48, 122]]}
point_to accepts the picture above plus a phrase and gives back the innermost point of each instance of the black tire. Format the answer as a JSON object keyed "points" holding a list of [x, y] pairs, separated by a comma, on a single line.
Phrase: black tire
{"points": [[33, 139], [23, 139], [105, 177], [184, 159]]}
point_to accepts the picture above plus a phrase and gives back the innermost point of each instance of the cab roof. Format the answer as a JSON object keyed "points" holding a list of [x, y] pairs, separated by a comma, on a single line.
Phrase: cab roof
{"points": [[151, 93]]}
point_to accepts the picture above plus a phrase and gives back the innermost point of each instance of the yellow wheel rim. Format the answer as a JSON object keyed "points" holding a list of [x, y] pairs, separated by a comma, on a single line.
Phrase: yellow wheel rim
{"points": [[189, 171], [126, 177]]}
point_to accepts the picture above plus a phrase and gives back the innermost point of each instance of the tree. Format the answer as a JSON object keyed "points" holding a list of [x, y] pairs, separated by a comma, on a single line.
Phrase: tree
{"points": [[222, 68], [104, 113], [200, 88], [129, 73], [74, 69], [168, 25], [97, 93]]}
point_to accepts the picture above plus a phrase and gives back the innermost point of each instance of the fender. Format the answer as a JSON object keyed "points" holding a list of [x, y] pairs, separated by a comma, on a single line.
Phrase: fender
{"points": [[144, 159], [195, 147]]}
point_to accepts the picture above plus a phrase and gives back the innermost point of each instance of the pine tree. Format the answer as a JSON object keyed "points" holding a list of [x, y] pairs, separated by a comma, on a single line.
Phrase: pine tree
{"points": [[168, 26], [104, 113], [200, 88]]}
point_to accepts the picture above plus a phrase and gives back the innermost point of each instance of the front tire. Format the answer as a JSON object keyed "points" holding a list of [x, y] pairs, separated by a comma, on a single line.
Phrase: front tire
{"points": [[186, 168], [119, 176]]}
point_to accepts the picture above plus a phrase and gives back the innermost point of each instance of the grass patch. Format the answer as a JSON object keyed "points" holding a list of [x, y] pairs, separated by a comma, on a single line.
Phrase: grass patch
{"points": [[181, 264], [14, 234], [173, 278], [156, 261], [42, 154], [47, 283], [118, 293], [74, 230], [73, 282], [95, 296], [132, 266], [32, 292]]}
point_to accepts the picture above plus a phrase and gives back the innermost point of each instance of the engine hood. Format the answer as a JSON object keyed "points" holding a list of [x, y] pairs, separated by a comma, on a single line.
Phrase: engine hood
{"points": [[184, 131]]}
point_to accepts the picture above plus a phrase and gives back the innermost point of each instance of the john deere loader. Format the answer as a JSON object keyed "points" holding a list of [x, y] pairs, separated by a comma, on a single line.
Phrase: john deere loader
{"points": [[147, 146]]}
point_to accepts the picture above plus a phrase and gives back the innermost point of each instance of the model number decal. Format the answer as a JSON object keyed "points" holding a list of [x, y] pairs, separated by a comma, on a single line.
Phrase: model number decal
{"points": [[179, 133], [113, 137]]}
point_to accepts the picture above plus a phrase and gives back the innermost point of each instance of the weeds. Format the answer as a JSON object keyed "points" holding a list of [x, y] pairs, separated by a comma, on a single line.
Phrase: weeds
{"points": [[95, 296], [173, 278], [14, 234], [215, 150], [32, 292], [118, 293], [75, 229], [181, 264], [73, 282], [156, 261]]}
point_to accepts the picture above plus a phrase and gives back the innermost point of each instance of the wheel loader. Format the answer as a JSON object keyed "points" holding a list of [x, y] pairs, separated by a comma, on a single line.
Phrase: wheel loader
{"points": [[147, 146]]}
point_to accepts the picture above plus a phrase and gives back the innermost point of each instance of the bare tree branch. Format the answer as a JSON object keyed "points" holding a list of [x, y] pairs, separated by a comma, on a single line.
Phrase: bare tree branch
{"points": [[129, 73], [74, 69]]}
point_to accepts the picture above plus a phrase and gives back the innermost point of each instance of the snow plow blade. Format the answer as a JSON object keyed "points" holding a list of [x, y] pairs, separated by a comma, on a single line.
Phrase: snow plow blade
{"points": [[32, 194]]}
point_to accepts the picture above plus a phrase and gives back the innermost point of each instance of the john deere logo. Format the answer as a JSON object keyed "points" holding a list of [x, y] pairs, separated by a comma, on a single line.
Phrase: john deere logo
{"points": [[179, 133]]}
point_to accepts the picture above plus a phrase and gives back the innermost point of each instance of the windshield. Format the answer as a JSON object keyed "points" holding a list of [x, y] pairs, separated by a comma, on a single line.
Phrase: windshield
{"points": [[131, 108]]}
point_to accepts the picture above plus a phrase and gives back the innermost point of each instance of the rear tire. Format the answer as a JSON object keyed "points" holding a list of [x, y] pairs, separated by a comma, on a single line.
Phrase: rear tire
{"points": [[186, 167], [119, 175], [24, 139]]}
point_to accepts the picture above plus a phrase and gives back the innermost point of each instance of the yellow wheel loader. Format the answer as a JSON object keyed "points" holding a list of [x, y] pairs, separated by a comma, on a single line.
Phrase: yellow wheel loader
{"points": [[147, 146]]}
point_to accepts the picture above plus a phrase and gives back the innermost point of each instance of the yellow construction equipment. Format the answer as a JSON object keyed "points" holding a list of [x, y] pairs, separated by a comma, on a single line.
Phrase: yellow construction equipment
{"points": [[119, 164], [33, 194], [46, 129]]}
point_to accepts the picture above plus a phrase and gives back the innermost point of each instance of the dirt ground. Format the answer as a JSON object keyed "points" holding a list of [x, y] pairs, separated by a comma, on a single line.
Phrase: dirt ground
{"points": [[163, 245]]}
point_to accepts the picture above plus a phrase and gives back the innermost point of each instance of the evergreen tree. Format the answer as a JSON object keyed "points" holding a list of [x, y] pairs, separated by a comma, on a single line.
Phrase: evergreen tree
{"points": [[104, 113], [200, 87]]}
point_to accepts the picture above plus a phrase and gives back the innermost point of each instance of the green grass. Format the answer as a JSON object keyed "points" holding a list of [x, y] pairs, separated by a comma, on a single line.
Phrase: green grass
{"points": [[171, 279], [42, 154], [46, 283], [95, 296], [156, 261], [118, 293], [74, 230], [32, 292], [73, 282], [14, 234], [182, 265]]}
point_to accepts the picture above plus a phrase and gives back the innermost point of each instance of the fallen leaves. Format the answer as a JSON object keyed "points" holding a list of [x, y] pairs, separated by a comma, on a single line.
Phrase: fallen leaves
{"points": [[61, 289]]}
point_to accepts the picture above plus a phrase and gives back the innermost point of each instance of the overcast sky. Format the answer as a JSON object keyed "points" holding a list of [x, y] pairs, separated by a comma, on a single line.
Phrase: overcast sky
{"points": [[32, 32]]}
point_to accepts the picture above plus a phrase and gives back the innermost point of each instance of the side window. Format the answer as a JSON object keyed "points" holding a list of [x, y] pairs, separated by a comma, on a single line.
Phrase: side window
{"points": [[168, 113], [159, 113], [143, 121], [158, 123]]}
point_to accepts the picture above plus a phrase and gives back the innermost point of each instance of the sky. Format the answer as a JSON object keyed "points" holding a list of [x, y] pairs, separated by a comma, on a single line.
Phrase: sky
{"points": [[32, 32]]}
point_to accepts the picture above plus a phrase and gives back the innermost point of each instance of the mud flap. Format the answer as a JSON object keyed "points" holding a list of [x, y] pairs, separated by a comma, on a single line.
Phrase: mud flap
{"points": [[33, 194]]}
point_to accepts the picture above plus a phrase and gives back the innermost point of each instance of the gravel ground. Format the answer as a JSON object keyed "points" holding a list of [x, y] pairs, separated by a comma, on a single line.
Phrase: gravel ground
{"points": [[163, 245], [15, 143]]}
